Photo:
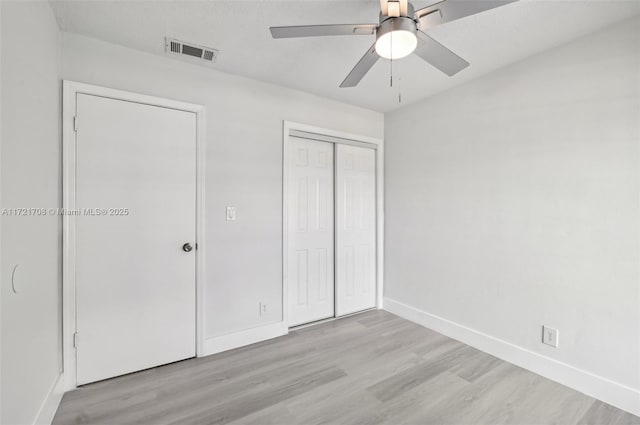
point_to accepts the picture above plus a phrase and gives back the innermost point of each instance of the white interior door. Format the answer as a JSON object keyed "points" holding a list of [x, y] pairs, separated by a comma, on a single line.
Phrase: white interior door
{"points": [[355, 229], [135, 285], [310, 220]]}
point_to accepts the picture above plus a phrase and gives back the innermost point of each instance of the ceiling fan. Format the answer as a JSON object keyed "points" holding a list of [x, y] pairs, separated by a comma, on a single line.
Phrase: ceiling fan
{"points": [[401, 31]]}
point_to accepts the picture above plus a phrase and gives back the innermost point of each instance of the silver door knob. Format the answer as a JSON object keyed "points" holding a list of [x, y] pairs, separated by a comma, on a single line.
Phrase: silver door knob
{"points": [[187, 247]]}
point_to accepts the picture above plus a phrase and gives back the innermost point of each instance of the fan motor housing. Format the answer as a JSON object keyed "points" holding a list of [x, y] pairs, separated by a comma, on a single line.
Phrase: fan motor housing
{"points": [[396, 24]]}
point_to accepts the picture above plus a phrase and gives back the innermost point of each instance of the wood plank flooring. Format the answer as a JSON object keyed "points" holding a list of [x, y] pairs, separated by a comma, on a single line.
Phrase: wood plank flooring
{"points": [[372, 368]]}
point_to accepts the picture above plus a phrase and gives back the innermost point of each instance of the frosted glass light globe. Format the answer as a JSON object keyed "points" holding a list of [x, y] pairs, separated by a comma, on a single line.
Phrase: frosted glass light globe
{"points": [[396, 44]]}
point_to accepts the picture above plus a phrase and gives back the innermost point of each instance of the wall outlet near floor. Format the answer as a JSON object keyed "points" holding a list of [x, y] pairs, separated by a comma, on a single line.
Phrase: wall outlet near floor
{"points": [[231, 213], [263, 308], [550, 336]]}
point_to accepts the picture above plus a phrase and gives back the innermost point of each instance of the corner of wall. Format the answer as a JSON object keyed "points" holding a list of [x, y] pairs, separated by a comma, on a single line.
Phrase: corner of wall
{"points": [[611, 392], [50, 405]]}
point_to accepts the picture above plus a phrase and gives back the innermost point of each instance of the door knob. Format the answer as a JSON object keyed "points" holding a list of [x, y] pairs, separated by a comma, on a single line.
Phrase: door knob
{"points": [[187, 247]]}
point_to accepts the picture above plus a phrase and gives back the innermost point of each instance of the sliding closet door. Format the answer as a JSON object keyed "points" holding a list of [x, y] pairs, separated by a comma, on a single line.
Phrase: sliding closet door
{"points": [[310, 218], [355, 229]]}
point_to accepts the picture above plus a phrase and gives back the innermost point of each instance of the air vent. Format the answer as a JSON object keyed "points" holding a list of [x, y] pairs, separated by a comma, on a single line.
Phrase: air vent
{"points": [[190, 51], [208, 55], [175, 47]]}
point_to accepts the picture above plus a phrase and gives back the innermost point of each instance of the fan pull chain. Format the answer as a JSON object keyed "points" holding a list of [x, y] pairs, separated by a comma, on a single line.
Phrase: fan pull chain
{"points": [[399, 84], [391, 60], [391, 76]]}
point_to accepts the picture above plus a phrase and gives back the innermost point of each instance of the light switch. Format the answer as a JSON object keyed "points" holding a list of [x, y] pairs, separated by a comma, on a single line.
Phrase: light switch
{"points": [[231, 213]]}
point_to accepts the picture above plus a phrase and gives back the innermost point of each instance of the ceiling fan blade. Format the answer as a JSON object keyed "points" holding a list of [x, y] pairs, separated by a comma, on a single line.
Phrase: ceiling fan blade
{"points": [[450, 10], [428, 9], [439, 56], [362, 67], [323, 30]]}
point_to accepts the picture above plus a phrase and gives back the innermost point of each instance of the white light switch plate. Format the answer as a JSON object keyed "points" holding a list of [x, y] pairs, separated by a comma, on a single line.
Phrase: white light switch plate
{"points": [[231, 213], [550, 336]]}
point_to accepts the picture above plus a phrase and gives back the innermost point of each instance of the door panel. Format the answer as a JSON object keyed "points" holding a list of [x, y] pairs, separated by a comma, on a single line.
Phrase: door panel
{"points": [[310, 263], [135, 285], [355, 229]]}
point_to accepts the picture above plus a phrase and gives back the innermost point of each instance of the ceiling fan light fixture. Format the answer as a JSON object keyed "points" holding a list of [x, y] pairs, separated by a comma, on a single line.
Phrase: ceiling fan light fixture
{"points": [[396, 38]]}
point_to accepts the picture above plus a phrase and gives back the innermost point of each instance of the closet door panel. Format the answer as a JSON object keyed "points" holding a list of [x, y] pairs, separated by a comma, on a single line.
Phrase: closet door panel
{"points": [[311, 231], [355, 229]]}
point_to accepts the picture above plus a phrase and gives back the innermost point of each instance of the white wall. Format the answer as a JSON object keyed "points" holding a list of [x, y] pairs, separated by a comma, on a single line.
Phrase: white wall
{"points": [[30, 329], [513, 202], [243, 165]]}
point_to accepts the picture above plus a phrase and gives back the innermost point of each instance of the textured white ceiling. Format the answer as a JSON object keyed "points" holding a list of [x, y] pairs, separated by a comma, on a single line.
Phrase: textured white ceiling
{"points": [[240, 30]]}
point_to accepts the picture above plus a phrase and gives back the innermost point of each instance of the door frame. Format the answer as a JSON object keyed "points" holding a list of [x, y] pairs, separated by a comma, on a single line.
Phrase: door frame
{"points": [[70, 91], [339, 137]]}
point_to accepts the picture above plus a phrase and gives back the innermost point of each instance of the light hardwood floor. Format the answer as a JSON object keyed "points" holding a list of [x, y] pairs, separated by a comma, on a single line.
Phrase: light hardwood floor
{"points": [[372, 368]]}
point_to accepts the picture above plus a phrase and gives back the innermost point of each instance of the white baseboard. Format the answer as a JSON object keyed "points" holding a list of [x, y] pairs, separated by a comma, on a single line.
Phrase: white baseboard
{"points": [[239, 339], [51, 403], [614, 393]]}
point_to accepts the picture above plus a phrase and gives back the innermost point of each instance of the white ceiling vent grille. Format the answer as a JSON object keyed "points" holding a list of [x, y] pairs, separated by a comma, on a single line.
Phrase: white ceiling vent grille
{"points": [[190, 51]]}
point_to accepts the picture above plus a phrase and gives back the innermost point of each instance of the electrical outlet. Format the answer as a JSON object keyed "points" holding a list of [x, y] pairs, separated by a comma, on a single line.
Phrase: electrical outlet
{"points": [[231, 213], [550, 336], [263, 308]]}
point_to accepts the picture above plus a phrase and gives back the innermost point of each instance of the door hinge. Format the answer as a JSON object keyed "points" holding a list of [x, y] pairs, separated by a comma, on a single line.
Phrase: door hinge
{"points": [[75, 340], [75, 123]]}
